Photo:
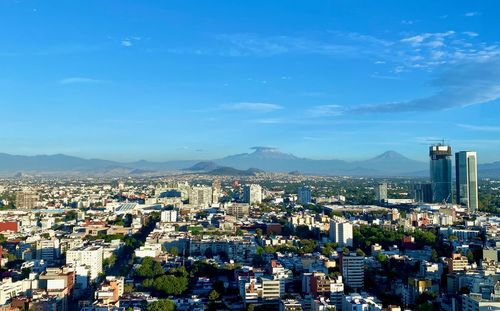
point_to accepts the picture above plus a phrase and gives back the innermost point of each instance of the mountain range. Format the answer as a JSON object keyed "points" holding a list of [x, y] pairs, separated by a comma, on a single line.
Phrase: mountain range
{"points": [[266, 159]]}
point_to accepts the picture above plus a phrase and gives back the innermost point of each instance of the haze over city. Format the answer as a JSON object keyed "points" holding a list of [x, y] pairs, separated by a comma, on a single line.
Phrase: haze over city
{"points": [[190, 80]]}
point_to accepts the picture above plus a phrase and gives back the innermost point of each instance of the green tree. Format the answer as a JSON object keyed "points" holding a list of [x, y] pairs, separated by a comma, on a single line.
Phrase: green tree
{"points": [[258, 232], [174, 251], [128, 288], [161, 305], [470, 256], [360, 252], [381, 257], [171, 285], [213, 295]]}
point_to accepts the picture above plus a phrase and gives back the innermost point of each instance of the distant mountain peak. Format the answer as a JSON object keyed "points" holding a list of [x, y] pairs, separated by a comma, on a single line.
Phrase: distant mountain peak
{"points": [[270, 152], [265, 149], [390, 155]]}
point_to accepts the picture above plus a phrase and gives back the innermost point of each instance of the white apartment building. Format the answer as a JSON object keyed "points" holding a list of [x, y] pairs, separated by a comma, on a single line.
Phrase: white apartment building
{"points": [[361, 302], [9, 289], [200, 196], [341, 232], [260, 290], [252, 194], [168, 216], [89, 256]]}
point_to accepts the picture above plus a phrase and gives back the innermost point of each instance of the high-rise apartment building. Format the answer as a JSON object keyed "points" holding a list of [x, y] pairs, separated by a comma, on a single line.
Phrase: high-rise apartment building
{"points": [[466, 179], [381, 192], [341, 231], [90, 257], [200, 196], [440, 171], [216, 191], [304, 195], [252, 194], [353, 270], [26, 199]]}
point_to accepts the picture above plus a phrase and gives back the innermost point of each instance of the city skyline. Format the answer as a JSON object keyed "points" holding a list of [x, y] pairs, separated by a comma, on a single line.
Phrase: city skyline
{"points": [[185, 80]]}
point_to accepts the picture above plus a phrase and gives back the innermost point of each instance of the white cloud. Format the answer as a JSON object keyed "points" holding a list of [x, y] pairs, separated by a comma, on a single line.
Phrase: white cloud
{"points": [[470, 33], [326, 111], [81, 80], [257, 107], [126, 43], [269, 121], [471, 14]]}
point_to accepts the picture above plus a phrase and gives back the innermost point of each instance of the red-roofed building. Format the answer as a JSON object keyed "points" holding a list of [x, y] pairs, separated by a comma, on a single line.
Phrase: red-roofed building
{"points": [[8, 226]]}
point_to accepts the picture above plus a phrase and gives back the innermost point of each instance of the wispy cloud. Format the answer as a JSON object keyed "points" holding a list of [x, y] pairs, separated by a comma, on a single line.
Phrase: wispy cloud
{"points": [[460, 85], [481, 128], [126, 43], [269, 121], [130, 41], [326, 111], [470, 33], [81, 80], [471, 14], [257, 107], [245, 44]]}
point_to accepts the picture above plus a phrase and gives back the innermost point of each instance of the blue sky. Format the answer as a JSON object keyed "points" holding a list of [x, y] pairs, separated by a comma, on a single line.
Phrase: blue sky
{"points": [[160, 80]]}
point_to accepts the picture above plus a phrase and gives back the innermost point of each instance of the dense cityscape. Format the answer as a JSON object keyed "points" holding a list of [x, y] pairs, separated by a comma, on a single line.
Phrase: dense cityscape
{"points": [[268, 241], [223, 155]]}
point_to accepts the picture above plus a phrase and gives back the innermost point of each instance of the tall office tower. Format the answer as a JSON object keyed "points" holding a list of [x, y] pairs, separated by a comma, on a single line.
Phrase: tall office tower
{"points": [[422, 193], [440, 169], [26, 199], [341, 231], [304, 195], [252, 194], [381, 192], [466, 179]]}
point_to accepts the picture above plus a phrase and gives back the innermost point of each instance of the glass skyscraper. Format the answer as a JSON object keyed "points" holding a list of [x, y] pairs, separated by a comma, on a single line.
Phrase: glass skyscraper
{"points": [[466, 179], [440, 170]]}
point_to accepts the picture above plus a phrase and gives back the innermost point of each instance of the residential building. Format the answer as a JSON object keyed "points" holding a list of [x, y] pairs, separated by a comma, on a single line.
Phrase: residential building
{"points": [[200, 196], [341, 232], [88, 256], [290, 305], [353, 270], [476, 302], [9, 289], [361, 302], [168, 216], [238, 210], [252, 194], [381, 192], [26, 199], [457, 262], [304, 195]]}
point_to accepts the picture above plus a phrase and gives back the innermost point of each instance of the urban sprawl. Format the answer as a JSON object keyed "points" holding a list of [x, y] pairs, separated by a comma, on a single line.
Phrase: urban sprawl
{"points": [[263, 242]]}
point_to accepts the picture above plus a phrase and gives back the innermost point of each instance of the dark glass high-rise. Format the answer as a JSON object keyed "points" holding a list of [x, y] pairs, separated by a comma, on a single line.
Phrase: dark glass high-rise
{"points": [[440, 171]]}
